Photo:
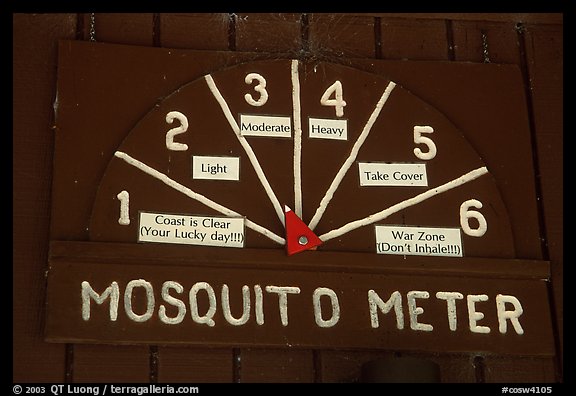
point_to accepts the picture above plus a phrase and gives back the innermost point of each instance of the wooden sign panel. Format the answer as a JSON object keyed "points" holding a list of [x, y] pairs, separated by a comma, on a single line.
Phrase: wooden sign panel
{"points": [[155, 294], [306, 204]]}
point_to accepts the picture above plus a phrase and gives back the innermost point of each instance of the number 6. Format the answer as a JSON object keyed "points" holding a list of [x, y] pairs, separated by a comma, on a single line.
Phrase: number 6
{"points": [[466, 214]]}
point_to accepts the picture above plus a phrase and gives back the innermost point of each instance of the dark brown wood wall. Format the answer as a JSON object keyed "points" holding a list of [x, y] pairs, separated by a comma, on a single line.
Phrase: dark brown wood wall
{"points": [[534, 42]]}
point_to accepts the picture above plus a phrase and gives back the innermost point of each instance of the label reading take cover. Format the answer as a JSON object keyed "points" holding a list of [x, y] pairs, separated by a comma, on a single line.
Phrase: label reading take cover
{"points": [[324, 128], [395, 174], [191, 230], [265, 126], [215, 168], [418, 241]]}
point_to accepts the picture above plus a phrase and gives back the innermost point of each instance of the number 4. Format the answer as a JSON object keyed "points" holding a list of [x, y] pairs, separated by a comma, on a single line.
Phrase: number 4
{"points": [[338, 102]]}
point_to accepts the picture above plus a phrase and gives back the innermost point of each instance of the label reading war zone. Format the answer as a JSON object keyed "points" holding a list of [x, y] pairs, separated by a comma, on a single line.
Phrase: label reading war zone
{"points": [[191, 230], [418, 241], [266, 126]]}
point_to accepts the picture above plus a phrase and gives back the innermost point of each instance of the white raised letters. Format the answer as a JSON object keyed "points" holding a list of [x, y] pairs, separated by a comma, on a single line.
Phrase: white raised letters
{"points": [[260, 88], [170, 143], [172, 311]]}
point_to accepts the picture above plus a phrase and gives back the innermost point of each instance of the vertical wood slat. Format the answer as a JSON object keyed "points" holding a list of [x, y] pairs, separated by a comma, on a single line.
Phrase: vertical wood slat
{"points": [[194, 365], [339, 367], [195, 31], [201, 31], [269, 33], [345, 367], [121, 28], [274, 33], [519, 370], [111, 363], [34, 63], [413, 39], [94, 363], [501, 41], [504, 46], [329, 36], [333, 36], [389, 39], [544, 53], [276, 365]]}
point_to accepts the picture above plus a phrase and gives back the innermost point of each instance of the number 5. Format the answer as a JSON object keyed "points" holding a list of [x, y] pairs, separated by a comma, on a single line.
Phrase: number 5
{"points": [[419, 139]]}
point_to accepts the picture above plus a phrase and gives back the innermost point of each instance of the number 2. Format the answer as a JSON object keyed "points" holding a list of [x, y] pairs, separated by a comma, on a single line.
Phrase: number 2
{"points": [[170, 143]]}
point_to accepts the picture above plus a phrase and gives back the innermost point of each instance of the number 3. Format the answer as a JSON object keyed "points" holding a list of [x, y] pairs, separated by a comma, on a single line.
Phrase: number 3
{"points": [[260, 88]]}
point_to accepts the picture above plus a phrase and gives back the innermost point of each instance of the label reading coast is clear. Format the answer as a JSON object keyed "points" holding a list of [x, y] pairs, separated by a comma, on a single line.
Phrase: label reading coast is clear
{"points": [[323, 128], [418, 241], [265, 126], [215, 168], [191, 230], [392, 174]]}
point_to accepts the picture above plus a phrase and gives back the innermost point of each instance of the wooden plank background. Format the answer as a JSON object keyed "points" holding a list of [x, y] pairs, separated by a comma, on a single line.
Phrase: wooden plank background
{"points": [[534, 42]]}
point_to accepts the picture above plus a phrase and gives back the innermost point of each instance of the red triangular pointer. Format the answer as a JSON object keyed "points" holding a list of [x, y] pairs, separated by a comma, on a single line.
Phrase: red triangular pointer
{"points": [[298, 236]]}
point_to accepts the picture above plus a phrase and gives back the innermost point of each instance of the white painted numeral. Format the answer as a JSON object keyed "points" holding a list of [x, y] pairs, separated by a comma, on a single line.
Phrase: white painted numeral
{"points": [[419, 139], [466, 214], [260, 88], [124, 199], [338, 102], [170, 143]]}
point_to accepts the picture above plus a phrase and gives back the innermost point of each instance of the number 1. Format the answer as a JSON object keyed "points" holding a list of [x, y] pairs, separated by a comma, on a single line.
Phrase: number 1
{"points": [[124, 199]]}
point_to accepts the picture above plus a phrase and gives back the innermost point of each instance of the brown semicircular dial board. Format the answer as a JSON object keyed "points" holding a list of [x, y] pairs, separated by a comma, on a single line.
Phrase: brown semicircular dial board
{"points": [[347, 150]]}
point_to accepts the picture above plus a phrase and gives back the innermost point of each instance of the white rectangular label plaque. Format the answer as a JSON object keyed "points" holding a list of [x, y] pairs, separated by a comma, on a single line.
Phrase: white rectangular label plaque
{"points": [[418, 241], [266, 126], [324, 128], [191, 230], [395, 174], [215, 168]]}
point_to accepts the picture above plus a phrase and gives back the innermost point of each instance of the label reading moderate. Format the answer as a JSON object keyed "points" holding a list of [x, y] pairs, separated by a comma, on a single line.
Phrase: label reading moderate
{"points": [[392, 174], [418, 241], [265, 126], [191, 230]]}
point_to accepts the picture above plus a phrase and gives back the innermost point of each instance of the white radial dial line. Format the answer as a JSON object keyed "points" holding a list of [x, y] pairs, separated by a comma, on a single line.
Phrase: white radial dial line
{"points": [[467, 177], [246, 146], [297, 139], [351, 158], [196, 196]]}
